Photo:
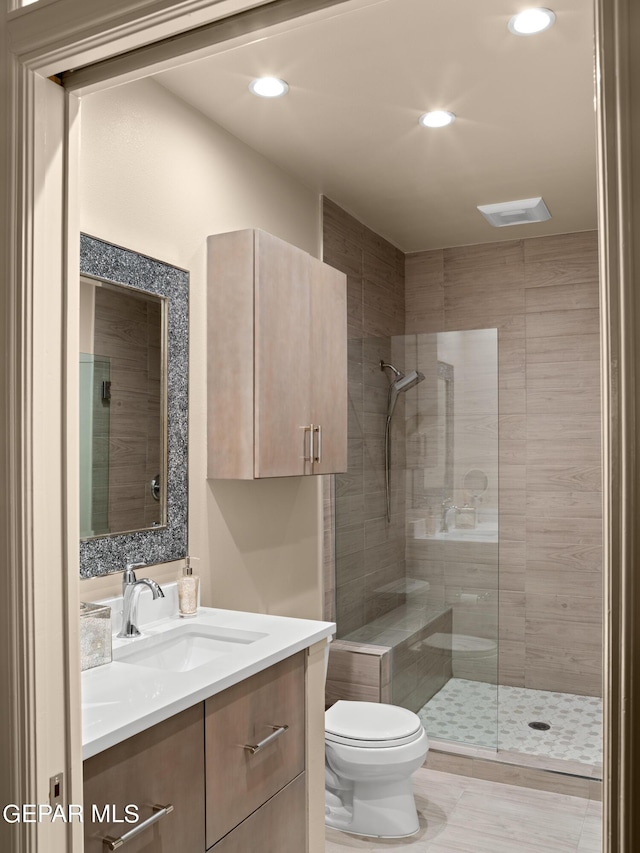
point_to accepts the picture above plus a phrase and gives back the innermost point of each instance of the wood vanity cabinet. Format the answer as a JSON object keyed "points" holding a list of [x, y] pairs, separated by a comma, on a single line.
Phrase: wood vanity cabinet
{"points": [[163, 765], [232, 767], [277, 360], [269, 706]]}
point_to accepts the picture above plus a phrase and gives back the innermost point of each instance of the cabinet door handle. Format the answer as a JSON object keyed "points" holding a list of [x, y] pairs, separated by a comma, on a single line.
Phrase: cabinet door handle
{"points": [[256, 747], [317, 453], [308, 442], [112, 843]]}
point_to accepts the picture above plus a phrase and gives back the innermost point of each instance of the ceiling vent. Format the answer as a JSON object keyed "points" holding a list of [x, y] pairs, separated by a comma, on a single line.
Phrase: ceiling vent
{"points": [[515, 212]]}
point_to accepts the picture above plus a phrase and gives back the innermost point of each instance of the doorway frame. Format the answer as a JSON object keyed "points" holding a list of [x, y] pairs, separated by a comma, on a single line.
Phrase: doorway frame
{"points": [[39, 655]]}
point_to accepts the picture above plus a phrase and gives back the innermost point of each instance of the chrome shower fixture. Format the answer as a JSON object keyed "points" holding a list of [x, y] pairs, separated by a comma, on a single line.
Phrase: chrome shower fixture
{"points": [[400, 384]]}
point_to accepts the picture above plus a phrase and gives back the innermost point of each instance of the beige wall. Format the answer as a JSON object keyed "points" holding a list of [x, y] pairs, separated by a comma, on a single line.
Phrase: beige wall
{"points": [[542, 295], [157, 177]]}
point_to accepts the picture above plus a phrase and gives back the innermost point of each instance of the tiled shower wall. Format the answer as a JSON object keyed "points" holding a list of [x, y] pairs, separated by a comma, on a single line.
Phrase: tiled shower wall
{"points": [[370, 551], [542, 296]]}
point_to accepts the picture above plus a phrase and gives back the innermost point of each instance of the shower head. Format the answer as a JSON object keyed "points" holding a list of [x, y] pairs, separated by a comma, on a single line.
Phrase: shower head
{"points": [[401, 384]]}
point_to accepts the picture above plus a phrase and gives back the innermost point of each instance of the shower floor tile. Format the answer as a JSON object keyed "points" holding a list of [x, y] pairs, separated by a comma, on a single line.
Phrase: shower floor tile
{"points": [[465, 711]]}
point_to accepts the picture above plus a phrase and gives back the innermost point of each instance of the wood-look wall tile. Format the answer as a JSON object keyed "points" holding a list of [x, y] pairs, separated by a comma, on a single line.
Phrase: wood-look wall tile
{"points": [[383, 273], [569, 504], [512, 427], [577, 347], [552, 633], [550, 324], [558, 452], [566, 375], [565, 583], [421, 267], [557, 297], [579, 246], [581, 530], [476, 317], [498, 298], [563, 400], [508, 253], [512, 401], [566, 608], [337, 221], [513, 477], [511, 662], [587, 478], [513, 528], [568, 428], [567, 555]]}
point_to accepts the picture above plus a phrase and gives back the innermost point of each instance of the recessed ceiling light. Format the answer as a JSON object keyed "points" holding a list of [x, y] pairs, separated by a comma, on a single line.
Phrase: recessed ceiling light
{"points": [[531, 21], [436, 118], [268, 87]]}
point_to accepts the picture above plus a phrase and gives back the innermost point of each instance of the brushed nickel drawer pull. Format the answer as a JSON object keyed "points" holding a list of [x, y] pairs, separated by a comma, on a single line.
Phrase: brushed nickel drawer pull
{"points": [[278, 731], [112, 843], [308, 442], [317, 454]]}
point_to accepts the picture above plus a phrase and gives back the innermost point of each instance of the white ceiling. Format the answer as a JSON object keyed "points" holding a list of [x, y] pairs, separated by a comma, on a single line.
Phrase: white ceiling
{"points": [[358, 82]]}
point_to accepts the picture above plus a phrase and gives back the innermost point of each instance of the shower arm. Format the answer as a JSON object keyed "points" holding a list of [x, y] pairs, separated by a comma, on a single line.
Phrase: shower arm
{"points": [[399, 374]]}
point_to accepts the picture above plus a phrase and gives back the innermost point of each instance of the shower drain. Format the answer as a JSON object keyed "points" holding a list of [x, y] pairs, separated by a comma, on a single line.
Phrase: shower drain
{"points": [[539, 727]]}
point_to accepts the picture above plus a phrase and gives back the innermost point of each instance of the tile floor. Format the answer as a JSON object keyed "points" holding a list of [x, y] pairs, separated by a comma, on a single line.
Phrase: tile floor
{"points": [[465, 711], [459, 814]]}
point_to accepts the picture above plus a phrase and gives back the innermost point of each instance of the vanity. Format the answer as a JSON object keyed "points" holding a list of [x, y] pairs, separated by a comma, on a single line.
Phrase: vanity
{"points": [[202, 729], [203, 734]]}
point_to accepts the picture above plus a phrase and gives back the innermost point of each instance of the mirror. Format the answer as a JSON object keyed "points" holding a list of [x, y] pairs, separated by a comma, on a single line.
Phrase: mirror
{"points": [[122, 409], [475, 484], [133, 409]]}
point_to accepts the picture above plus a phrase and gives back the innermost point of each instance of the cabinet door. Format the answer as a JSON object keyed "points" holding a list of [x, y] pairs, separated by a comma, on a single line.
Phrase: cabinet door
{"points": [[329, 366], [237, 780], [279, 826], [282, 409], [160, 766]]}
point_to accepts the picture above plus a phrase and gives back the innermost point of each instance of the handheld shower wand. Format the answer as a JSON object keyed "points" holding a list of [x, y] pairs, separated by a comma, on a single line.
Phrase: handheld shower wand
{"points": [[398, 386]]}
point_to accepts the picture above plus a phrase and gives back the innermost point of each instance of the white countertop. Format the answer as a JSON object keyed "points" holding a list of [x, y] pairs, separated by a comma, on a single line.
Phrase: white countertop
{"points": [[121, 699]]}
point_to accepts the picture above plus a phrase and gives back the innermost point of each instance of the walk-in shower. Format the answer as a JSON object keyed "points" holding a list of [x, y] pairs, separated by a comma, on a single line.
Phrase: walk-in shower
{"points": [[417, 545]]}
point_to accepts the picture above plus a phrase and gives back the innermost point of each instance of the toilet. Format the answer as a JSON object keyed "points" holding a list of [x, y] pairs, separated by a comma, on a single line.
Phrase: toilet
{"points": [[371, 751]]}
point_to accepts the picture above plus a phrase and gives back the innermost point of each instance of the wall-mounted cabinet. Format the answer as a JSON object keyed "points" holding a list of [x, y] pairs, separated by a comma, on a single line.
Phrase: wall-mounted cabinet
{"points": [[277, 360]]}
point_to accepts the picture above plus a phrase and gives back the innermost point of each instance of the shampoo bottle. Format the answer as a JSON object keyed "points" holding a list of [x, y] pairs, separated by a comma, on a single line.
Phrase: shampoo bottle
{"points": [[188, 585]]}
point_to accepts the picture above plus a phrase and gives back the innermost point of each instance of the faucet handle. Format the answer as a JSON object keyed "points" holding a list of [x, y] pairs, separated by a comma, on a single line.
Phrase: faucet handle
{"points": [[129, 575]]}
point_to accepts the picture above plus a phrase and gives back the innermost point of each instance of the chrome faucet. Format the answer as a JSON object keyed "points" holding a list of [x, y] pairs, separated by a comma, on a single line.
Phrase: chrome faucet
{"points": [[446, 507], [131, 589]]}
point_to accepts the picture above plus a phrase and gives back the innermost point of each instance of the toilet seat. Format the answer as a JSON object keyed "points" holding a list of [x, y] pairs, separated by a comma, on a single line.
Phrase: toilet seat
{"points": [[371, 724]]}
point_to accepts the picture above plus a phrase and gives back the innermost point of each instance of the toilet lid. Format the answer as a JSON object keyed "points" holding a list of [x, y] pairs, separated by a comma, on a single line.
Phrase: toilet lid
{"points": [[371, 724]]}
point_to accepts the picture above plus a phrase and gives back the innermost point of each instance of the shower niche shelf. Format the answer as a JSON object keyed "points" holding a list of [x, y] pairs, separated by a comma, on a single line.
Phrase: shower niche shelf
{"points": [[277, 360]]}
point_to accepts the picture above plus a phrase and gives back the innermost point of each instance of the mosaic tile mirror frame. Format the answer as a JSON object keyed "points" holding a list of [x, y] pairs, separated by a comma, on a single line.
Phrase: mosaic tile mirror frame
{"points": [[105, 554]]}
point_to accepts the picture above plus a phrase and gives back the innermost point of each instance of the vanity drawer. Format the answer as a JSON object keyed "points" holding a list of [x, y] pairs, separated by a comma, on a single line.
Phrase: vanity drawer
{"points": [[239, 781], [163, 765], [279, 826]]}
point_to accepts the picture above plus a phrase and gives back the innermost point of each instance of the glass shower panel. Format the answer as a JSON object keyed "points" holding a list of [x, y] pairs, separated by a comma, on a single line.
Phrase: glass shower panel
{"points": [[424, 582], [451, 435]]}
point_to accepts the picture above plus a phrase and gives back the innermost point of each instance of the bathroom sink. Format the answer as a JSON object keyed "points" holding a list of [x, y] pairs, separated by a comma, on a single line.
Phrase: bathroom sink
{"points": [[184, 648]]}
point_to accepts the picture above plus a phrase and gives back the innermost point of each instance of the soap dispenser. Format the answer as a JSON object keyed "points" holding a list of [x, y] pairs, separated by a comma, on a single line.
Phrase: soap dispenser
{"points": [[188, 585]]}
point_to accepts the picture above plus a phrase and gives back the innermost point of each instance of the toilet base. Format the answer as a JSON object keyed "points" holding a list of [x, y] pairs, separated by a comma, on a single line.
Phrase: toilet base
{"points": [[375, 811]]}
